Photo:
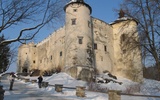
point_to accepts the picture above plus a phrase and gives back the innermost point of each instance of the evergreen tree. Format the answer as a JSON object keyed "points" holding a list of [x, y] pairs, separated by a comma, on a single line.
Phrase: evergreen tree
{"points": [[4, 56]]}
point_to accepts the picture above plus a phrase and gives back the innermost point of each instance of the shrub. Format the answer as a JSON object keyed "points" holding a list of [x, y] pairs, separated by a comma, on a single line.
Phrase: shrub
{"points": [[96, 87], [132, 89]]}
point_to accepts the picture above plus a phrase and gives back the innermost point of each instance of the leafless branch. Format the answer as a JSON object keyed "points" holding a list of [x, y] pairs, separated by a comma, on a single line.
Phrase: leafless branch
{"points": [[34, 13]]}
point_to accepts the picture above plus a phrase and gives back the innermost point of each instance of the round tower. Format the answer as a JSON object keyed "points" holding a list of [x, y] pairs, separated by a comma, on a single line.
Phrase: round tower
{"points": [[26, 57], [78, 37], [127, 52]]}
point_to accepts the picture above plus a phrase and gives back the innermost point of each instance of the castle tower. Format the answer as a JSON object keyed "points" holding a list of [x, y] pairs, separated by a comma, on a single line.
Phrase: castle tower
{"points": [[127, 52], [26, 57], [78, 38]]}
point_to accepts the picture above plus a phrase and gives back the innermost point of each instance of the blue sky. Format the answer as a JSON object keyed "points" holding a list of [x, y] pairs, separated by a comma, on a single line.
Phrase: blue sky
{"points": [[104, 9], [101, 9]]}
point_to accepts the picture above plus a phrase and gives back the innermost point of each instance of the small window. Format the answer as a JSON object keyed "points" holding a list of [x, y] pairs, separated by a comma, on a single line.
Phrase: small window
{"points": [[73, 21], [95, 46], [51, 57], [74, 10], [123, 37], [89, 24], [80, 39], [105, 48], [60, 53], [34, 61]]}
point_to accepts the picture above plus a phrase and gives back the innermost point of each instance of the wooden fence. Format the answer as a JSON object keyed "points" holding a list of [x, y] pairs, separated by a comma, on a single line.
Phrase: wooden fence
{"points": [[80, 91], [116, 95]]}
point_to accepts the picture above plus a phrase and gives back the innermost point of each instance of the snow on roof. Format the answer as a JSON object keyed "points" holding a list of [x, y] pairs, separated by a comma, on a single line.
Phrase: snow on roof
{"points": [[122, 19]]}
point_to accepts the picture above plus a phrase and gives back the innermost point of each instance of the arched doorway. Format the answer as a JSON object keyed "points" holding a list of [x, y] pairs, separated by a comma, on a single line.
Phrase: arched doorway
{"points": [[25, 70]]}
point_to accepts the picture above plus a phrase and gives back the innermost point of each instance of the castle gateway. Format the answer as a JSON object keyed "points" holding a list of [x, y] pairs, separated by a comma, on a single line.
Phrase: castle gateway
{"points": [[86, 46]]}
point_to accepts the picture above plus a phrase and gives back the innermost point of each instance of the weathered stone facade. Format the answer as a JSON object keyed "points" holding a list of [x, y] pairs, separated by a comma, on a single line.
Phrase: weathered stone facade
{"points": [[86, 44]]}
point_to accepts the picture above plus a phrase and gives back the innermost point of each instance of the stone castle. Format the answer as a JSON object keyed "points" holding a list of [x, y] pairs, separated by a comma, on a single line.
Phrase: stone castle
{"points": [[86, 46]]}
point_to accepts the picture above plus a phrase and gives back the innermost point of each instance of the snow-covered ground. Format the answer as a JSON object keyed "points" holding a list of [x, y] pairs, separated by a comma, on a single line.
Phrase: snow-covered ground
{"points": [[148, 87]]}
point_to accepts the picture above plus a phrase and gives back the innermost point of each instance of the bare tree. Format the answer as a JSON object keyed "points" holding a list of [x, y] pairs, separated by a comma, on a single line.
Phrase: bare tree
{"points": [[146, 13], [34, 14]]}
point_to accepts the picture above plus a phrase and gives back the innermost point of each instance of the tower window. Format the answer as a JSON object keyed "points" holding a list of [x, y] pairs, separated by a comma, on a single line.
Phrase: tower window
{"points": [[123, 37], [34, 61], [80, 39], [60, 53], [51, 57], [95, 46], [89, 24], [74, 10], [73, 21], [105, 48]]}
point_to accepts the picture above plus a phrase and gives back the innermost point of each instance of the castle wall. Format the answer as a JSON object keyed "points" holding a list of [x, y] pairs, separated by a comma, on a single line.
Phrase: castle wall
{"points": [[51, 51], [103, 38]]}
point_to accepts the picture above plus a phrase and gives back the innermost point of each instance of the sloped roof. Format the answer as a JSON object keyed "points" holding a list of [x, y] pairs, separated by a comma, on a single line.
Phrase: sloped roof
{"points": [[123, 19]]}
